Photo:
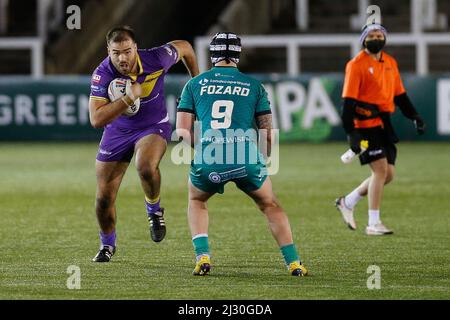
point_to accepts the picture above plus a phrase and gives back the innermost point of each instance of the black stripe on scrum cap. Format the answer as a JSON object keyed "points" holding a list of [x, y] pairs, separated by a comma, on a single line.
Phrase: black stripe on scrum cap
{"points": [[225, 46]]}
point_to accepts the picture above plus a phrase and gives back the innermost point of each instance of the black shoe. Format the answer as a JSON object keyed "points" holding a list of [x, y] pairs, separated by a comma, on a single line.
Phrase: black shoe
{"points": [[157, 225], [105, 254]]}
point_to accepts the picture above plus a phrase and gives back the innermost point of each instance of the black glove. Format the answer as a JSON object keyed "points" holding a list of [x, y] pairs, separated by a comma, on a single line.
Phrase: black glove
{"points": [[354, 139], [420, 125]]}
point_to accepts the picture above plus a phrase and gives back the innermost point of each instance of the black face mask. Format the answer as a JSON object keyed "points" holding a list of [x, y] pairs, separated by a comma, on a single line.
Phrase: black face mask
{"points": [[375, 46]]}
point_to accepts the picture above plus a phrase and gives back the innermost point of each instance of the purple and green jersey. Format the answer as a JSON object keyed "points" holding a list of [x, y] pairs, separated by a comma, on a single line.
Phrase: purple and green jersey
{"points": [[153, 64]]}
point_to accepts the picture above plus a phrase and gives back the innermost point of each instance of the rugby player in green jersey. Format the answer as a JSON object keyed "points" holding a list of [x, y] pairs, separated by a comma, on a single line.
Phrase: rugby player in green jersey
{"points": [[227, 104]]}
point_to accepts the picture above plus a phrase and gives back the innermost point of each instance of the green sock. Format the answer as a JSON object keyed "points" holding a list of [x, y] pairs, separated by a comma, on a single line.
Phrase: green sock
{"points": [[200, 243], [289, 253]]}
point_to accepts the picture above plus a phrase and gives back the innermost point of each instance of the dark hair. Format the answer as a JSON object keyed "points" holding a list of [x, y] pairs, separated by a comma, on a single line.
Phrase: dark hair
{"points": [[119, 34]]}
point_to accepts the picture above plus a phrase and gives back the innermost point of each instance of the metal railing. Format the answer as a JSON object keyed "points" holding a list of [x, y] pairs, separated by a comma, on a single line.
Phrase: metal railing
{"points": [[294, 43], [36, 46]]}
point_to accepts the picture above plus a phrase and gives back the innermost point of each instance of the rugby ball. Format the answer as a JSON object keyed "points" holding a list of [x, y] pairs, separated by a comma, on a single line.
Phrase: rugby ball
{"points": [[117, 89]]}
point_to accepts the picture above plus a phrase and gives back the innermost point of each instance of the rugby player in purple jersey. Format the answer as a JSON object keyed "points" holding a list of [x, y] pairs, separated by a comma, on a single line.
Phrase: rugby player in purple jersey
{"points": [[144, 134]]}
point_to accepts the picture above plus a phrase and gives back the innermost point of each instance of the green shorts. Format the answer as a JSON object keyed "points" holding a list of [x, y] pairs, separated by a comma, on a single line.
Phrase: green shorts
{"points": [[212, 178]]}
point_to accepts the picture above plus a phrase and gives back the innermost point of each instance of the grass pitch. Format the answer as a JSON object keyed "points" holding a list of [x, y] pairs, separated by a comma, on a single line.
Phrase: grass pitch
{"points": [[48, 224]]}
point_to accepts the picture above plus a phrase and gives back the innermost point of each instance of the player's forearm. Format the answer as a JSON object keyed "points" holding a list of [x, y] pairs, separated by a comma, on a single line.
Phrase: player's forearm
{"points": [[268, 149], [184, 127], [187, 55], [190, 62], [264, 124], [101, 116], [191, 65], [191, 138], [187, 136]]}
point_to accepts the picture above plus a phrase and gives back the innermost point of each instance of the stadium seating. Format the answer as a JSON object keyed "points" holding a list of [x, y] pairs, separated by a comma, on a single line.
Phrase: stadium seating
{"points": [[273, 17]]}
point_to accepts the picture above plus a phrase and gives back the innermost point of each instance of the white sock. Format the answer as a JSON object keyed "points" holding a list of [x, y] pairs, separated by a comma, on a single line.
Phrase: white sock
{"points": [[352, 199], [374, 217]]}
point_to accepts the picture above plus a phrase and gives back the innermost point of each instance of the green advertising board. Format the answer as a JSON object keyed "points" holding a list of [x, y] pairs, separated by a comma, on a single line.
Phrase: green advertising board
{"points": [[50, 109], [305, 108]]}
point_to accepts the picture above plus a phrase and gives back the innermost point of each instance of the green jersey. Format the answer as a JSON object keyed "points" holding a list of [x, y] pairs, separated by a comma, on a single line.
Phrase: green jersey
{"points": [[225, 103]]}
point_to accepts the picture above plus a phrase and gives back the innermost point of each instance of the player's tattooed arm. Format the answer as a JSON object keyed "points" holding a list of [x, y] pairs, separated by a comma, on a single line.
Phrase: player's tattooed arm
{"points": [[264, 121], [264, 124]]}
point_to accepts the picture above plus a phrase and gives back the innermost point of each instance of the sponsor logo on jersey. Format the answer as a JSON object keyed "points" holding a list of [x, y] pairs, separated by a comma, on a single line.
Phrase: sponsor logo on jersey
{"points": [[96, 78], [203, 82], [102, 151], [223, 75], [214, 177], [169, 51], [97, 89]]}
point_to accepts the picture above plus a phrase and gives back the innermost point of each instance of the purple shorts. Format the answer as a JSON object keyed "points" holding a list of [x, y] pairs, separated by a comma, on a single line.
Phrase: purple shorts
{"points": [[118, 144]]}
